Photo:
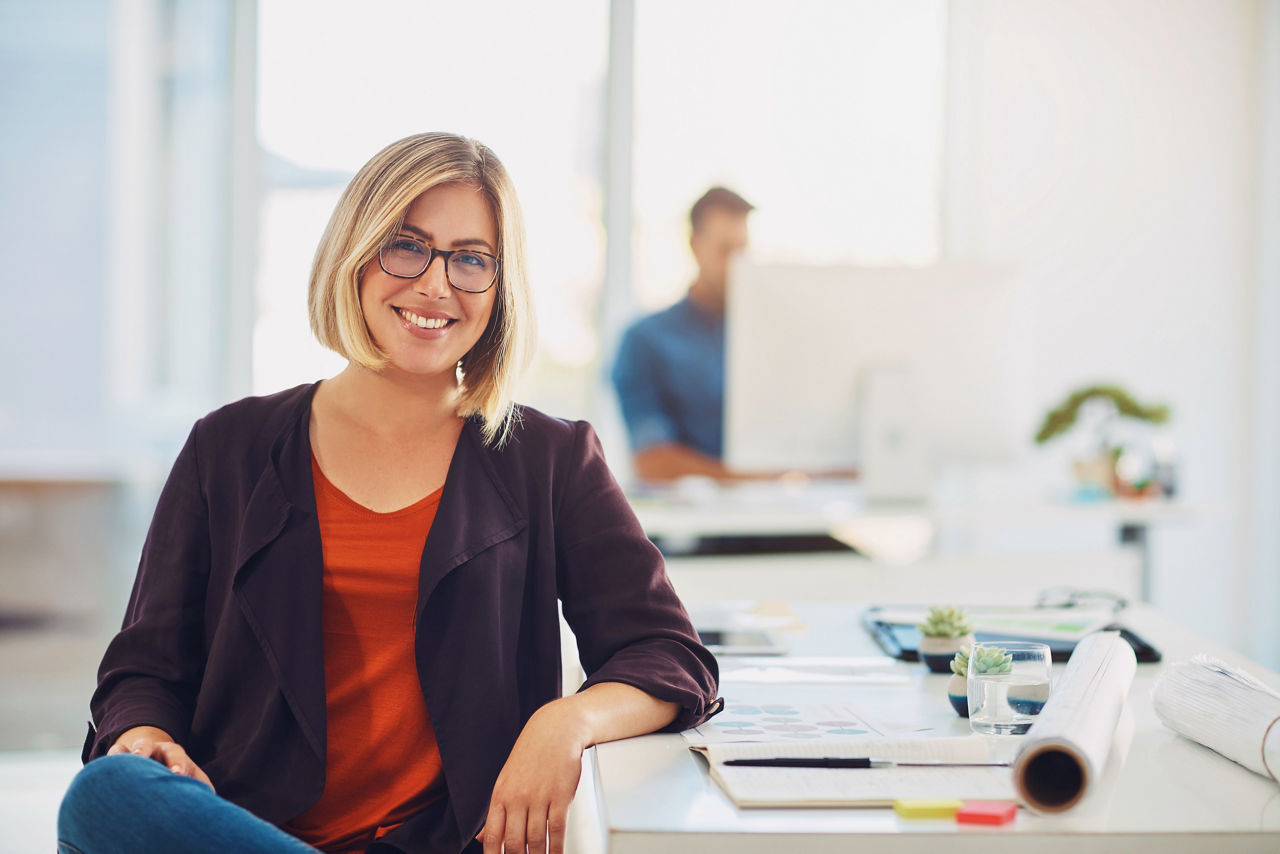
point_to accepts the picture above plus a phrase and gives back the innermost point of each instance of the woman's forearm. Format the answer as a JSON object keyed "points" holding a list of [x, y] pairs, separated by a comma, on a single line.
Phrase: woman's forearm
{"points": [[609, 711]]}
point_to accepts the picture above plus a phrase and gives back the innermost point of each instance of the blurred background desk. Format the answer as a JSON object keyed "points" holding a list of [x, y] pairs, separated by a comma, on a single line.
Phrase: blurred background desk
{"points": [[1158, 792], [849, 577], [902, 534]]}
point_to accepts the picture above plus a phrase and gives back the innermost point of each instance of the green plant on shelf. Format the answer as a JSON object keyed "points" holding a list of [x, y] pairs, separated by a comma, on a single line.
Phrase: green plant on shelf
{"points": [[1120, 462], [1062, 418]]}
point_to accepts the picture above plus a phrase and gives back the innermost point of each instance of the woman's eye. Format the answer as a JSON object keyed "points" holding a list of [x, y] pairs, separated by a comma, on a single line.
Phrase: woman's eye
{"points": [[471, 259], [403, 244]]}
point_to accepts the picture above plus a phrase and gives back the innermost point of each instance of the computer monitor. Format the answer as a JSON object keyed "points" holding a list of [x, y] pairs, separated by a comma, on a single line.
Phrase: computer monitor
{"points": [[892, 371]]}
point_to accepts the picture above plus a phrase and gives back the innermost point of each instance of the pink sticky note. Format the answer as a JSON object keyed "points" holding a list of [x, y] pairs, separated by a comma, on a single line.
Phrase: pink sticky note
{"points": [[986, 812]]}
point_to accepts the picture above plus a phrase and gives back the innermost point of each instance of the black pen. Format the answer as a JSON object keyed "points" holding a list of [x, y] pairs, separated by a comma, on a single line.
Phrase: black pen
{"points": [[856, 762]]}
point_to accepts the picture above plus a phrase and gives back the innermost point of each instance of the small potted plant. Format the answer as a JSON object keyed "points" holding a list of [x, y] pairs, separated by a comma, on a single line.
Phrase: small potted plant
{"points": [[943, 633], [987, 660]]}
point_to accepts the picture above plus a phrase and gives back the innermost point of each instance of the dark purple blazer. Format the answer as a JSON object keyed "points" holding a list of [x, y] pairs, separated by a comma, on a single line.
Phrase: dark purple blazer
{"points": [[221, 645]]}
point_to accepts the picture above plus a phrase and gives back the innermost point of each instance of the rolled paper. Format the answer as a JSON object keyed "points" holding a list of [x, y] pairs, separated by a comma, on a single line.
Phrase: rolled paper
{"points": [[1066, 748], [1223, 708]]}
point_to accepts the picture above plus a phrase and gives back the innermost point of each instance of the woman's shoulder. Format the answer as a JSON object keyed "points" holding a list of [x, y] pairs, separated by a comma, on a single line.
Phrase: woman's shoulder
{"points": [[259, 417], [544, 453], [533, 429], [535, 435]]}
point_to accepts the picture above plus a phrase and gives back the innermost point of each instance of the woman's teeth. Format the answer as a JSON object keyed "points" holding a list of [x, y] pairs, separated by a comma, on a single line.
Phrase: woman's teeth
{"points": [[422, 322]]}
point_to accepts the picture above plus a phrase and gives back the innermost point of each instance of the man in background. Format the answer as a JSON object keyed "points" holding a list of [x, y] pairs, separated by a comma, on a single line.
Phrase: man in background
{"points": [[669, 373]]}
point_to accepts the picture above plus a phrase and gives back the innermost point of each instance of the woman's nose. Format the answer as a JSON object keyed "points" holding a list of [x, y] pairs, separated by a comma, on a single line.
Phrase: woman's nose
{"points": [[434, 281]]}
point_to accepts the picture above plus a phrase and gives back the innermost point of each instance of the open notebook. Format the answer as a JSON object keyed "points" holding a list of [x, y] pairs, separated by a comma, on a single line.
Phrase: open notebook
{"points": [[862, 787]]}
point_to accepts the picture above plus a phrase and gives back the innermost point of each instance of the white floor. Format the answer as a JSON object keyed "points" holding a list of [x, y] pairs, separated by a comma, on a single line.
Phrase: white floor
{"points": [[32, 783]]}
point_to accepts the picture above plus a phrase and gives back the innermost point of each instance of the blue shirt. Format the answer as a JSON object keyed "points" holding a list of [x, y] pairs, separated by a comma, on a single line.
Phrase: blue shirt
{"points": [[670, 379]]}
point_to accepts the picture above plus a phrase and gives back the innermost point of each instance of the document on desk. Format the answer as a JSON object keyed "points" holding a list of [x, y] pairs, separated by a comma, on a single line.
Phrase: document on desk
{"points": [[802, 723], [752, 787], [818, 670]]}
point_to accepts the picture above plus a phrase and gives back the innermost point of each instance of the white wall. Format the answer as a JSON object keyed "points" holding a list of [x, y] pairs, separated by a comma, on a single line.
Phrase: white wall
{"points": [[1263, 469], [1108, 152], [123, 209], [52, 214]]}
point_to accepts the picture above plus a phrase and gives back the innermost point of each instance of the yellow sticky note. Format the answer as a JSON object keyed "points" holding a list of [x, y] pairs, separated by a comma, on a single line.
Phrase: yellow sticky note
{"points": [[927, 808]]}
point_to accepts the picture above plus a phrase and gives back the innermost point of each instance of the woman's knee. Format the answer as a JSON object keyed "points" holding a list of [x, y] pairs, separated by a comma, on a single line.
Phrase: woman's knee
{"points": [[100, 802], [102, 785]]}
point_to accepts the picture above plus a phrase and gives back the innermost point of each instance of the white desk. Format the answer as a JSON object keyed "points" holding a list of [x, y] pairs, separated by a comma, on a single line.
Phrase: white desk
{"points": [[1159, 792]]}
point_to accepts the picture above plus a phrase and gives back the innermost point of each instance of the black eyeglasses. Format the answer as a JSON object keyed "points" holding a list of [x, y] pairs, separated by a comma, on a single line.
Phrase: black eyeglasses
{"points": [[466, 270], [1071, 597]]}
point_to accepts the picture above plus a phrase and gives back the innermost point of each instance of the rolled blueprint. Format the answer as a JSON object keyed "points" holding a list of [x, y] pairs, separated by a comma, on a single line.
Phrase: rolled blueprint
{"points": [[1223, 708], [1066, 748]]}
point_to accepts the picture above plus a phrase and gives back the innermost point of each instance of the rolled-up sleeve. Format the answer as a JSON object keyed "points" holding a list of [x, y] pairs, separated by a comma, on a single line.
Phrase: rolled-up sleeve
{"points": [[151, 670], [629, 623]]}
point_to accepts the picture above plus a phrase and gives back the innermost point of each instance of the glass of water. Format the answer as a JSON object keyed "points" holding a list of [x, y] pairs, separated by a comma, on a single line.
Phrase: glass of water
{"points": [[1008, 685]]}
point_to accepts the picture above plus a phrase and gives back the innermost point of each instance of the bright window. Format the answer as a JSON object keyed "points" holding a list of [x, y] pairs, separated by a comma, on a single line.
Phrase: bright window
{"points": [[827, 116]]}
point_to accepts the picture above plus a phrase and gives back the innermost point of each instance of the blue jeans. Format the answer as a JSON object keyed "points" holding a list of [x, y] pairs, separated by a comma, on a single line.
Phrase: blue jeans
{"points": [[128, 804]]}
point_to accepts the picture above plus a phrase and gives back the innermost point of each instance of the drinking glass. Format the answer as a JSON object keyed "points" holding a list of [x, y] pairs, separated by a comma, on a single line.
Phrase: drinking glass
{"points": [[1005, 699]]}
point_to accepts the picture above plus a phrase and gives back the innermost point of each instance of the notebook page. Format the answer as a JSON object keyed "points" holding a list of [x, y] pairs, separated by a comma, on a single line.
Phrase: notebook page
{"points": [[957, 749], [869, 787]]}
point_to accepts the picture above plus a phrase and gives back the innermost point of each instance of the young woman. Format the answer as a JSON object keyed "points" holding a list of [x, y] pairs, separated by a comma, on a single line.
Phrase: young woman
{"points": [[345, 618]]}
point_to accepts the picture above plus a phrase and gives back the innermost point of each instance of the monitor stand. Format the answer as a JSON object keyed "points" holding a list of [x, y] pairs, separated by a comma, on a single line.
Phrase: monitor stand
{"points": [[894, 458]]}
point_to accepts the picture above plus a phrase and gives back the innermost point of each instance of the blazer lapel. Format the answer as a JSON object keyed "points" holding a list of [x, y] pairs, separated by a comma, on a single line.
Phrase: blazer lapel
{"points": [[279, 575], [476, 512]]}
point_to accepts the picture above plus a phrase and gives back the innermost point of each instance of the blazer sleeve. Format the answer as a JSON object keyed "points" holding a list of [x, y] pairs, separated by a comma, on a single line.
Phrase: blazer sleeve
{"points": [[151, 670], [629, 623]]}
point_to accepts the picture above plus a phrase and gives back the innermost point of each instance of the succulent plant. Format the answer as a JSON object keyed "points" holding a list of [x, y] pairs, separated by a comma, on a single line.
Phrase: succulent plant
{"points": [[945, 623], [984, 659], [960, 664]]}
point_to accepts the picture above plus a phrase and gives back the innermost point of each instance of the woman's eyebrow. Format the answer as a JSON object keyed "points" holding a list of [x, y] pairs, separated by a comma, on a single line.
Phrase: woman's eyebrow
{"points": [[466, 241]]}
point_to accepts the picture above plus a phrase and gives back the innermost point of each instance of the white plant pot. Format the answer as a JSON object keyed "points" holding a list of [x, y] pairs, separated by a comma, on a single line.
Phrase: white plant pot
{"points": [[958, 694], [937, 653]]}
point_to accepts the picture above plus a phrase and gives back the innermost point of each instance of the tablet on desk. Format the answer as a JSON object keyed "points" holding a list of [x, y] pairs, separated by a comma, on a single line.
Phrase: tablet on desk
{"points": [[741, 642], [900, 638]]}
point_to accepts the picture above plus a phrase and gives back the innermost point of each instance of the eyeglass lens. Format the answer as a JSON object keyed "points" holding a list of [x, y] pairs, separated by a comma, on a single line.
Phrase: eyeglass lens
{"points": [[465, 269]]}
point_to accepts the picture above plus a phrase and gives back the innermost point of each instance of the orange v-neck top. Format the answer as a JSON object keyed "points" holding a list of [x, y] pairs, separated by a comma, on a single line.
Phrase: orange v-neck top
{"points": [[381, 763]]}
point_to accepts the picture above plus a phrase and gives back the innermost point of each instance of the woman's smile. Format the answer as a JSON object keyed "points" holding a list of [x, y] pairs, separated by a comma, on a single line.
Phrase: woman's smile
{"points": [[425, 323]]}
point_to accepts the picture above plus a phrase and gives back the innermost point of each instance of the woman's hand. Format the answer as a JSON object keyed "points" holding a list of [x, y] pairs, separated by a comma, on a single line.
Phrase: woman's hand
{"points": [[531, 799], [155, 743]]}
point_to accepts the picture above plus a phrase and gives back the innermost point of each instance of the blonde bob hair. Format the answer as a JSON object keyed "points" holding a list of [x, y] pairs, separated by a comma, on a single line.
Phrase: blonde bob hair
{"points": [[371, 209]]}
